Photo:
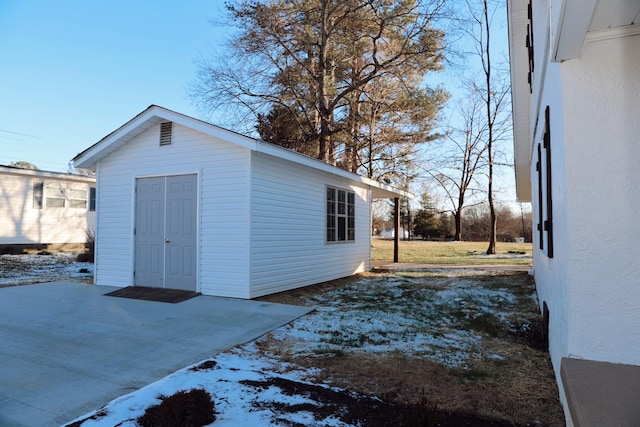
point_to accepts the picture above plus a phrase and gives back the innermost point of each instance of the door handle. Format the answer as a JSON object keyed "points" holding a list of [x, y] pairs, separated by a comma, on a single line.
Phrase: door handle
{"points": [[167, 241]]}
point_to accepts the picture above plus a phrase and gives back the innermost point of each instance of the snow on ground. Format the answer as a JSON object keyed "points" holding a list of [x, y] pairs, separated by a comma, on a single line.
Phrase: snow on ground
{"points": [[508, 255], [223, 377], [23, 269], [400, 314], [417, 315]]}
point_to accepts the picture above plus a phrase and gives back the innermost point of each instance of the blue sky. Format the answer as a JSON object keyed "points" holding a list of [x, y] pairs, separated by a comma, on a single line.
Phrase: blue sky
{"points": [[73, 71]]}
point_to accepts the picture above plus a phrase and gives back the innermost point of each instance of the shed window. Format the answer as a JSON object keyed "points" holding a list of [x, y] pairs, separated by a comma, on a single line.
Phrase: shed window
{"points": [[166, 133], [341, 214]]}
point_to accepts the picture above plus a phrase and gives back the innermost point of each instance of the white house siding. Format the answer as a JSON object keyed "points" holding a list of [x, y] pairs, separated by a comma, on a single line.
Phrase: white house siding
{"points": [[604, 86], [592, 284], [551, 273], [288, 228], [23, 224], [223, 186]]}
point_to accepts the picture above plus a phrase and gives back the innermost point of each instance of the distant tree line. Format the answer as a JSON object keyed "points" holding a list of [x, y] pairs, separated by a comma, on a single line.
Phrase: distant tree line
{"points": [[428, 223]]}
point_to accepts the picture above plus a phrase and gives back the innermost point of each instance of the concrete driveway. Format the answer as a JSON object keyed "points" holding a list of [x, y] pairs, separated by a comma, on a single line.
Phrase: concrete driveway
{"points": [[67, 349]]}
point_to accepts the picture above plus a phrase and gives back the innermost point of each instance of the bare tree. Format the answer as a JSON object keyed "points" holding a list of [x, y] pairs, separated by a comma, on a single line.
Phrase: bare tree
{"points": [[494, 88], [463, 156]]}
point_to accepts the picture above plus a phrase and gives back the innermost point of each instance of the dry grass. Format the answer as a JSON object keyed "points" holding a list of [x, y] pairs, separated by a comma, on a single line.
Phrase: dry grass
{"points": [[508, 379], [467, 253]]}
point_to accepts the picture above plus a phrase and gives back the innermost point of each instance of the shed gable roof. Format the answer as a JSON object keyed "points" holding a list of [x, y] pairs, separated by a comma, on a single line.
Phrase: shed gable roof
{"points": [[155, 114]]}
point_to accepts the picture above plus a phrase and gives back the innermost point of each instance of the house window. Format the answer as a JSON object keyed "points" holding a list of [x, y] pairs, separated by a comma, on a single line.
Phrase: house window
{"points": [[341, 215], [166, 133], [54, 197], [37, 194], [92, 199], [77, 199]]}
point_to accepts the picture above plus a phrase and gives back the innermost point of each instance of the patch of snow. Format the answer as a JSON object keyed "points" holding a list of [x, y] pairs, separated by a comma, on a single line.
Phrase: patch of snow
{"points": [[21, 269], [236, 404]]}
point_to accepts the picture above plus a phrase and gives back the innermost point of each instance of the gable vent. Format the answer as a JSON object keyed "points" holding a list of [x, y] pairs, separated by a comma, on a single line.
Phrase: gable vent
{"points": [[166, 132]]}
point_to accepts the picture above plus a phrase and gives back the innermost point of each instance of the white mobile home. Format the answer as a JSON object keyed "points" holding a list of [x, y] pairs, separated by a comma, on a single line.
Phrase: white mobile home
{"points": [[575, 69], [189, 205], [44, 210]]}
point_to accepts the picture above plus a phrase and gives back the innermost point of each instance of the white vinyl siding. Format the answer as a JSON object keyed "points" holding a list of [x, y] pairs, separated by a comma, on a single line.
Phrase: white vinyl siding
{"points": [[288, 228], [222, 170], [25, 217]]}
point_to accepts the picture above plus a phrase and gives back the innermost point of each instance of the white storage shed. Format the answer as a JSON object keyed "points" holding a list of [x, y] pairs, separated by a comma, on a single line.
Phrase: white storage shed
{"points": [[185, 204]]}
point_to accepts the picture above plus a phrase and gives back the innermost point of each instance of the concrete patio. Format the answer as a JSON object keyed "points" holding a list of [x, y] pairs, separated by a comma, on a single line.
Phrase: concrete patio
{"points": [[68, 349]]}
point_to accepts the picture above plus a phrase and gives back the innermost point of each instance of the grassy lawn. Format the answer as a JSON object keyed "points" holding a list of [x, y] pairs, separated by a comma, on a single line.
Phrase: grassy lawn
{"points": [[471, 253], [466, 343]]}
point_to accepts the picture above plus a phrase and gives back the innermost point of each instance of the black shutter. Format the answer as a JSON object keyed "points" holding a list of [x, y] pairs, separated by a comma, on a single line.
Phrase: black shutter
{"points": [[38, 189], [548, 224], [529, 45], [540, 198]]}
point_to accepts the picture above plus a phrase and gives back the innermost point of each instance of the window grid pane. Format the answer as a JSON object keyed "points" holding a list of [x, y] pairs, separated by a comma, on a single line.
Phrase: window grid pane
{"points": [[351, 217], [331, 215]]}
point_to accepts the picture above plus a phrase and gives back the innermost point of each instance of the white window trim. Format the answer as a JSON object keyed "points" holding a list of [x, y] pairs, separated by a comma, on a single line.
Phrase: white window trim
{"points": [[334, 217]]}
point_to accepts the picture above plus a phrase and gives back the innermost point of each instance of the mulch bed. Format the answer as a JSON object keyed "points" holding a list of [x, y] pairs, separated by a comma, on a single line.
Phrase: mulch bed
{"points": [[172, 296]]}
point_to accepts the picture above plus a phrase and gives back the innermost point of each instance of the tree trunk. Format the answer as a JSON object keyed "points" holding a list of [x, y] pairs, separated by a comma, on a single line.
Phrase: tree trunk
{"points": [[321, 95], [492, 230], [492, 227], [458, 221]]}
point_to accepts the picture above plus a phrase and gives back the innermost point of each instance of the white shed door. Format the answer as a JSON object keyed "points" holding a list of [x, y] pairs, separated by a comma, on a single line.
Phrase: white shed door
{"points": [[165, 232]]}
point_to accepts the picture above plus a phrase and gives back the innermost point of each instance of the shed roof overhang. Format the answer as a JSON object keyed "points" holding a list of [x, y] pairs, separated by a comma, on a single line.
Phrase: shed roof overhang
{"points": [[154, 114]]}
